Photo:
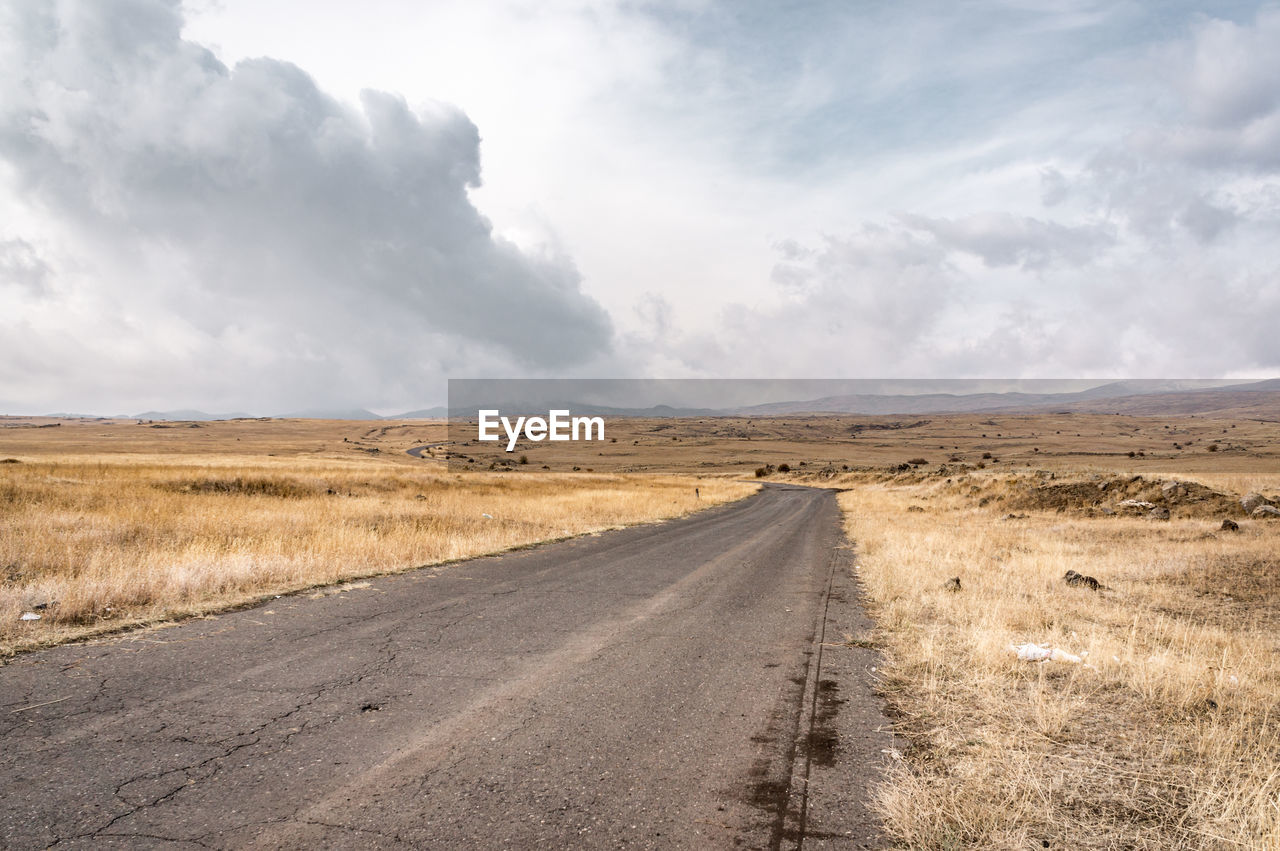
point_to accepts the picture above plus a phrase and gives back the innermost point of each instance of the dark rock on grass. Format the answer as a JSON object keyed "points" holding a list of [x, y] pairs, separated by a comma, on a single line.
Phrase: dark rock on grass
{"points": [[1230, 526], [1079, 580]]}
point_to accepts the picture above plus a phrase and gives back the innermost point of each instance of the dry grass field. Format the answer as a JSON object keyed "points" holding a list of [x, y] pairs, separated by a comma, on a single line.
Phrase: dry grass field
{"points": [[1040, 441], [106, 526], [1166, 736]]}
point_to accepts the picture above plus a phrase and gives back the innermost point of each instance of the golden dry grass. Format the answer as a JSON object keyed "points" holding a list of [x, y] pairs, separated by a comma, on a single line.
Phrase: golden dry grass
{"points": [[1169, 736], [118, 539]]}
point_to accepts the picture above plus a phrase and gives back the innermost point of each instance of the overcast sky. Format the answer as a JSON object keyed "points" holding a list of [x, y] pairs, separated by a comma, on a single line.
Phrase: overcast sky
{"points": [[266, 205]]}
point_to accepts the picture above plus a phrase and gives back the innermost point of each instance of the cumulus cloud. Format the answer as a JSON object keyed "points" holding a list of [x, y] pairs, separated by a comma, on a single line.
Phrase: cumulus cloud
{"points": [[1227, 96], [237, 236]]}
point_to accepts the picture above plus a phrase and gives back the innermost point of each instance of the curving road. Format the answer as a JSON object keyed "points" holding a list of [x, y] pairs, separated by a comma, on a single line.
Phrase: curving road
{"points": [[662, 686], [416, 451]]}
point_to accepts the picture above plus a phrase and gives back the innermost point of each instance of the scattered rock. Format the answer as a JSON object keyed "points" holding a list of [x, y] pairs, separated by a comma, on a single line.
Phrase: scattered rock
{"points": [[915, 509], [1045, 653], [1014, 517], [1079, 580], [1253, 501], [1159, 513], [1230, 526], [952, 584], [1265, 512], [1136, 504], [1173, 489], [29, 616]]}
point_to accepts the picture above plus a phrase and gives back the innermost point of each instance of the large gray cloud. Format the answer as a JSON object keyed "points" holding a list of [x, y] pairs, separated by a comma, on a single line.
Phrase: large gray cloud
{"points": [[197, 229]]}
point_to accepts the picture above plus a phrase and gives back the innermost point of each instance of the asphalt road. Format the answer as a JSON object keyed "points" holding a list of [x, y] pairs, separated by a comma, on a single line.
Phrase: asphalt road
{"points": [[661, 686]]}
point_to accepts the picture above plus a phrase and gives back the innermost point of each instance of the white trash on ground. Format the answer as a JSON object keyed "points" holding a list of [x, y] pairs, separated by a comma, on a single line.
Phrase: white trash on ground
{"points": [[29, 616], [1044, 653]]}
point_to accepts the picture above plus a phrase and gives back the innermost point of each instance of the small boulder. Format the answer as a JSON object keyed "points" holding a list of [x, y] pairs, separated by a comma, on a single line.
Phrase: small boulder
{"points": [[1253, 501], [1135, 505], [1230, 526], [1174, 489], [1159, 513], [1265, 512]]}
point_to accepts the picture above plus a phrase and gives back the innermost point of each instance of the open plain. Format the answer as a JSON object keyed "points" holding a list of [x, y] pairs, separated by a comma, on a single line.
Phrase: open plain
{"points": [[1162, 735]]}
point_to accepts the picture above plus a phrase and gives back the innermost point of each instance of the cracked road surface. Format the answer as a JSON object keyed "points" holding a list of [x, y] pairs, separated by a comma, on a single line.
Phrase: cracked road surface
{"points": [[676, 685]]}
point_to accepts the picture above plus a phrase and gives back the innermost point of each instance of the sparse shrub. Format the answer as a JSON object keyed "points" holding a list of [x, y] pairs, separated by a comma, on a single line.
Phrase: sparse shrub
{"points": [[240, 486], [524, 459], [1212, 447], [918, 462], [985, 455], [784, 468]]}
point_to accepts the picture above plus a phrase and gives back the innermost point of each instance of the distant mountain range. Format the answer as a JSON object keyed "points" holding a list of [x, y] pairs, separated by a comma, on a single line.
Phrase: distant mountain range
{"points": [[1103, 398], [186, 414], [1139, 398], [1148, 397]]}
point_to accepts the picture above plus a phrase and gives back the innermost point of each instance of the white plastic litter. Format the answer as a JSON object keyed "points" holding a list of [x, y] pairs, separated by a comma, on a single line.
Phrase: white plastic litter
{"points": [[29, 616], [1044, 653], [490, 516]]}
